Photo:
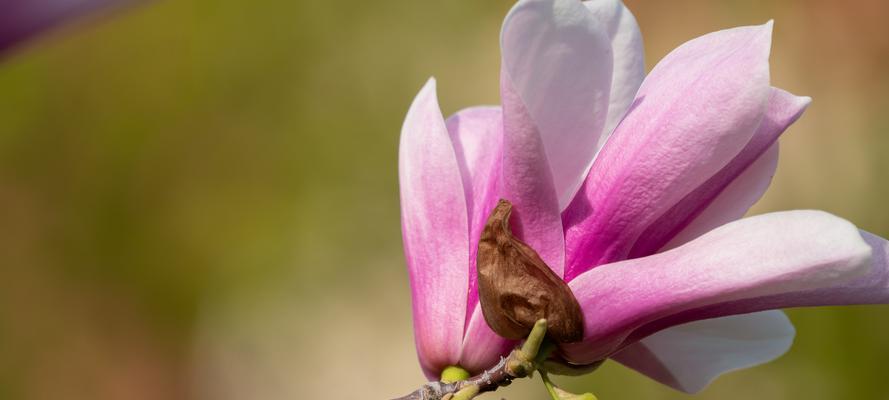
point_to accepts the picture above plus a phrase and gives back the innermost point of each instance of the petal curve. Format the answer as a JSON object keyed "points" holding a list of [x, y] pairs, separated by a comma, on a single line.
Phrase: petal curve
{"points": [[477, 136], [767, 255], [629, 58], [482, 347], [728, 194], [435, 232], [693, 114], [870, 288], [688, 357], [526, 182], [557, 60]]}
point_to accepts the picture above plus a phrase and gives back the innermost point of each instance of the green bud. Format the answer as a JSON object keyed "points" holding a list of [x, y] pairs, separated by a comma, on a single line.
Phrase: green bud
{"points": [[466, 393], [453, 374]]}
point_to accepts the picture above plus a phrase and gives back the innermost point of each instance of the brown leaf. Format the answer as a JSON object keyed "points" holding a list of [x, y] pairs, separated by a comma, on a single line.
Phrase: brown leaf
{"points": [[516, 288]]}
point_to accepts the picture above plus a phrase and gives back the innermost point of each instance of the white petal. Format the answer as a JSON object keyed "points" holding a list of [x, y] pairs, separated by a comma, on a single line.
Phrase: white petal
{"points": [[688, 357], [557, 56], [629, 58]]}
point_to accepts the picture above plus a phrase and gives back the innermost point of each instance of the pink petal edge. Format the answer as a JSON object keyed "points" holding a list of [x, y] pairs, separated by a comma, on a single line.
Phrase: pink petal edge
{"points": [[768, 255], [435, 232], [693, 114]]}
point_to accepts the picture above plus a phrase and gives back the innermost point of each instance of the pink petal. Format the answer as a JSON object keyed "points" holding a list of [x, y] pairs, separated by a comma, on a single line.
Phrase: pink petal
{"points": [[435, 232], [482, 347], [688, 357], [693, 114], [477, 136], [767, 255], [732, 202], [629, 58], [527, 183], [871, 288], [732, 191], [557, 63]]}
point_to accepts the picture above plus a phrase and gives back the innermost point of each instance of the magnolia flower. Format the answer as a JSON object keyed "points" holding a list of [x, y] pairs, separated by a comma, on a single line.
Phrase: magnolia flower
{"points": [[631, 188], [21, 19]]}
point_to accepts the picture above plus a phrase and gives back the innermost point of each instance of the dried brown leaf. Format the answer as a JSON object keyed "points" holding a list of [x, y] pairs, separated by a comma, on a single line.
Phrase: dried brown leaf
{"points": [[516, 287]]}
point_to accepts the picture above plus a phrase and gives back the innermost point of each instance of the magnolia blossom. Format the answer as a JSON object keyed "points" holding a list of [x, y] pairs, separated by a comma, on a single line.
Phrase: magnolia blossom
{"points": [[631, 187], [21, 19]]}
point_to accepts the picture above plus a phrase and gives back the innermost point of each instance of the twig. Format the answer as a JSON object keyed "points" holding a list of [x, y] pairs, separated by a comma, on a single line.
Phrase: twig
{"points": [[487, 381], [519, 363]]}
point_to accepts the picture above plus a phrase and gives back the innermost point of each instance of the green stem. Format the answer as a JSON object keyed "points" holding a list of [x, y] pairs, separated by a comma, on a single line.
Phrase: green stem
{"points": [[532, 345], [467, 393], [549, 385]]}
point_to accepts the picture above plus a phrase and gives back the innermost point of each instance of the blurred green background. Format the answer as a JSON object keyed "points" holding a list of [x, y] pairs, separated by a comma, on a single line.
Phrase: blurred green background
{"points": [[199, 199]]}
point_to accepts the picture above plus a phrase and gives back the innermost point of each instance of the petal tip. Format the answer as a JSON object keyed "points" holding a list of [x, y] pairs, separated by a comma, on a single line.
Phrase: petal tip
{"points": [[766, 31], [803, 101], [430, 85], [850, 245], [863, 256], [762, 34], [428, 93], [794, 106]]}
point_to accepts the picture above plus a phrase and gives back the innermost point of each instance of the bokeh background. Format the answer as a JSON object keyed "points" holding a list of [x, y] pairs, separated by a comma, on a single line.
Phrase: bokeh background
{"points": [[199, 199]]}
